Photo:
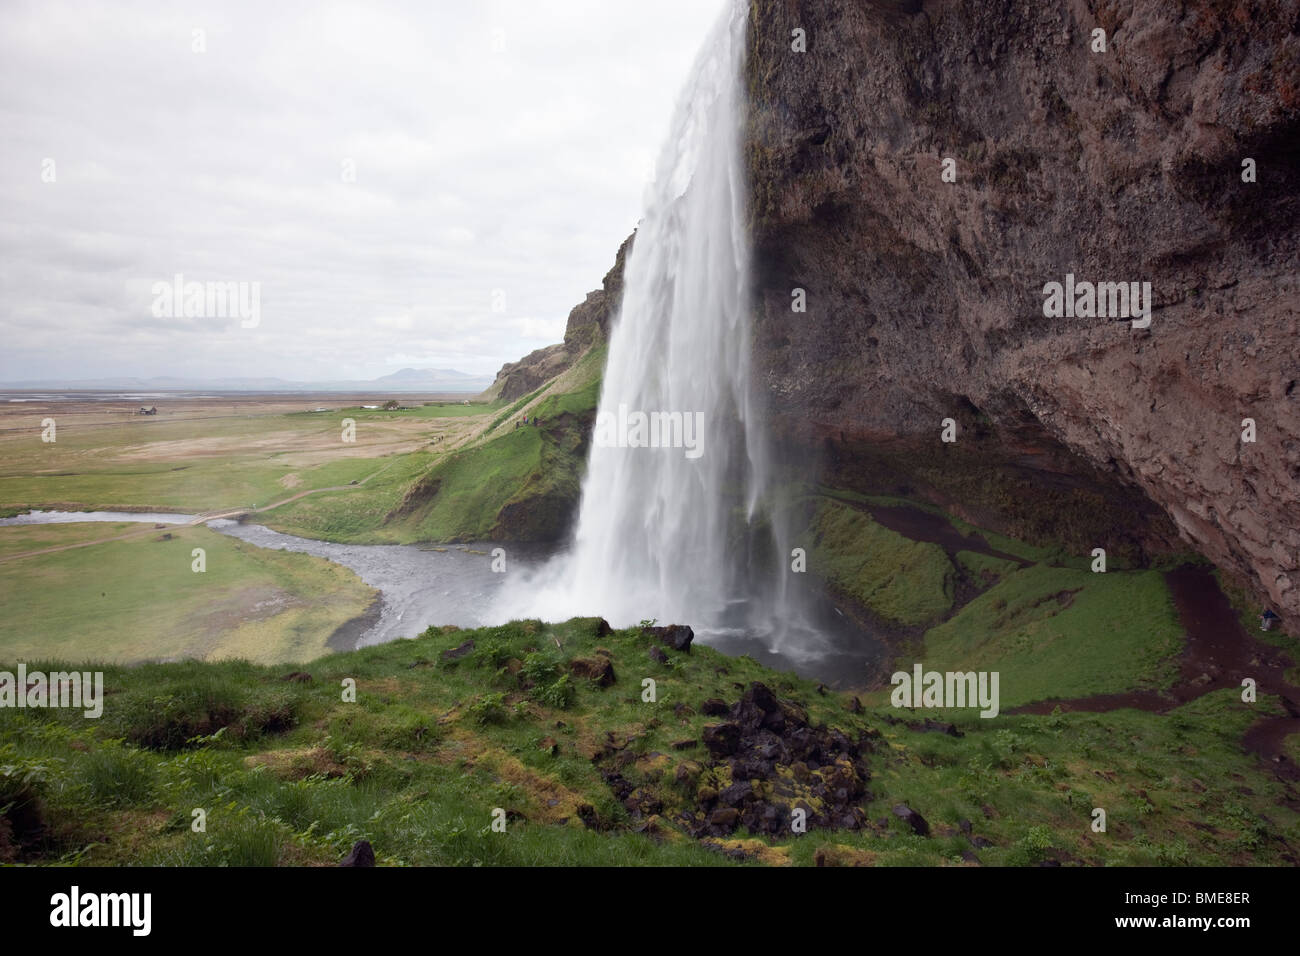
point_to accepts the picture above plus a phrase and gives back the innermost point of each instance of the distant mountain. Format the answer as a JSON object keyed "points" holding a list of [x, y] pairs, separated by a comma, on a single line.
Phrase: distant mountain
{"points": [[405, 380]]}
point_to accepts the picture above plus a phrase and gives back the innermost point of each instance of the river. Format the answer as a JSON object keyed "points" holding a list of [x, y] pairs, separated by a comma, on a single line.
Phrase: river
{"points": [[455, 584]]}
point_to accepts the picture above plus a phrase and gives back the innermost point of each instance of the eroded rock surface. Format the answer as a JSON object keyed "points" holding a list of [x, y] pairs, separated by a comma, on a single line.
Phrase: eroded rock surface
{"points": [[925, 298]]}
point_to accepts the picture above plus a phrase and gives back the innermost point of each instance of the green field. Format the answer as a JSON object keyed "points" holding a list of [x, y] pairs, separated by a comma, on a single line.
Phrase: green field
{"points": [[139, 599]]}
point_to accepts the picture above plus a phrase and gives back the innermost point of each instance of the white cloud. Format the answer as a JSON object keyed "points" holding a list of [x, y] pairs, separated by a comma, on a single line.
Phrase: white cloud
{"points": [[475, 171]]}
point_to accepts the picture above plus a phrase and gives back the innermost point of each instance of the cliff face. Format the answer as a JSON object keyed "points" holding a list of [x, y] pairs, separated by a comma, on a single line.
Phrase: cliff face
{"points": [[925, 298], [588, 323]]}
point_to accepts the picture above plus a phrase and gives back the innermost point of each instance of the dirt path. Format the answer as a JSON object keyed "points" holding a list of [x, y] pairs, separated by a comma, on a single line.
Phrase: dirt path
{"points": [[935, 529], [198, 519], [1217, 653]]}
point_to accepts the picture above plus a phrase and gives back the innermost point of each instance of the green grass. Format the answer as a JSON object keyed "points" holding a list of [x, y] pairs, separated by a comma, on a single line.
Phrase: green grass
{"points": [[354, 515], [166, 465], [1116, 631], [15, 539], [985, 568], [516, 406], [583, 395], [293, 774], [139, 598], [904, 581], [466, 490]]}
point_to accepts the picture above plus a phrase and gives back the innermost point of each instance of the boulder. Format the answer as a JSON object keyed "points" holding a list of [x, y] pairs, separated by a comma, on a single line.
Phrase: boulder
{"points": [[724, 818], [913, 819], [456, 653], [597, 669], [362, 854], [676, 636], [721, 739]]}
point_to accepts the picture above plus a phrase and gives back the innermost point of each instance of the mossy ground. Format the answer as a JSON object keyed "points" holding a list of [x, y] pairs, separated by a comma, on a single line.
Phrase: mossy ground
{"points": [[1056, 632], [905, 581], [430, 748]]}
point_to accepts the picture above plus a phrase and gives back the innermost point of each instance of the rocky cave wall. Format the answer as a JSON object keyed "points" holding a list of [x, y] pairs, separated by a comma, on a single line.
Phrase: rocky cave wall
{"points": [[925, 297]]}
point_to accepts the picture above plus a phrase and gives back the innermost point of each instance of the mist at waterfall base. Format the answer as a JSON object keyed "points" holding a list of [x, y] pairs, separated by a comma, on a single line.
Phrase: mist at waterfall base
{"points": [[691, 535]]}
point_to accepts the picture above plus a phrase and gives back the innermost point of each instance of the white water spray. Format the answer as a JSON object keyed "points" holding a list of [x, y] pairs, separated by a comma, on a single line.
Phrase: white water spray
{"points": [[671, 533]]}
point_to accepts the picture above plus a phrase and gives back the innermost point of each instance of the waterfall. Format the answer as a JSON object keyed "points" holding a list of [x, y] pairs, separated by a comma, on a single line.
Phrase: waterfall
{"points": [[681, 534]]}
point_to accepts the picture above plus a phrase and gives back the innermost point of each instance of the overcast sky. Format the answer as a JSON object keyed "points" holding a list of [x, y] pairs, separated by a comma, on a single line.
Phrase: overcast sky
{"points": [[496, 146]]}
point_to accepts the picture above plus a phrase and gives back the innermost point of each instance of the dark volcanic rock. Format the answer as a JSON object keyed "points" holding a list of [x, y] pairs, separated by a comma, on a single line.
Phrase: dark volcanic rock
{"points": [[597, 669], [721, 739], [361, 854], [736, 794], [913, 819], [456, 653], [676, 636], [724, 819], [763, 763]]}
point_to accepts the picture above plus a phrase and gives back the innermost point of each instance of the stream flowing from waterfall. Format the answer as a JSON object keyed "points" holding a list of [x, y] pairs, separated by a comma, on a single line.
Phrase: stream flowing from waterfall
{"points": [[677, 520]]}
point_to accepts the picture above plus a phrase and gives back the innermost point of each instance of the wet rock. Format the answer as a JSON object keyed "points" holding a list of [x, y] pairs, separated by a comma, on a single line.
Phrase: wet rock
{"points": [[714, 707]]}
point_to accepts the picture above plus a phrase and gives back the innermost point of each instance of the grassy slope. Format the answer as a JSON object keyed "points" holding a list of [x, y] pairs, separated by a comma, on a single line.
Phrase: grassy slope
{"points": [[1117, 631], [508, 483], [355, 515], [139, 599], [905, 581], [472, 486], [420, 761]]}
